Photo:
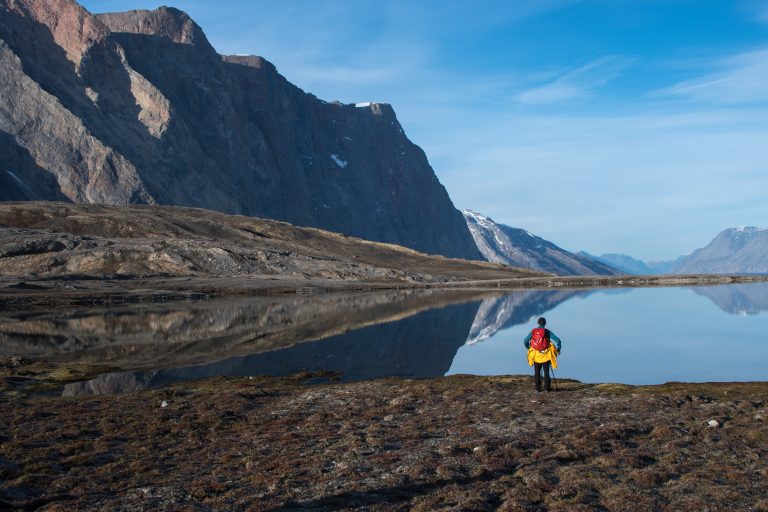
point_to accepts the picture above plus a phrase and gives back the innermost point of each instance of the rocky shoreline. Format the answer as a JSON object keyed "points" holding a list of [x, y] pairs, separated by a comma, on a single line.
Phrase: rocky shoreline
{"points": [[452, 443], [311, 441], [24, 292], [60, 254]]}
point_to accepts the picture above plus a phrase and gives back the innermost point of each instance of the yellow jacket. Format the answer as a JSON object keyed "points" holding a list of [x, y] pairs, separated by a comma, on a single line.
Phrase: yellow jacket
{"points": [[549, 354]]}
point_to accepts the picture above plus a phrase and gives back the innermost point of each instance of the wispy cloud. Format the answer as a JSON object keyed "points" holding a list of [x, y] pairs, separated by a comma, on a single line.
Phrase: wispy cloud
{"points": [[757, 10], [576, 83], [675, 177], [736, 80]]}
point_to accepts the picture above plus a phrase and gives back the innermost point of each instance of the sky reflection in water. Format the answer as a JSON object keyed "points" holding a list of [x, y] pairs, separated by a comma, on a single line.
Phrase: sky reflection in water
{"points": [[642, 336], [633, 336]]}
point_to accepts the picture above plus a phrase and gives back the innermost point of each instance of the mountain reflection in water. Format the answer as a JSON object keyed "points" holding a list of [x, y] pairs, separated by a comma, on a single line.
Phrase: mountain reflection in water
{"points": [[419, 346], [499, 313], [737, 299], [152, 336], [359, 336]]}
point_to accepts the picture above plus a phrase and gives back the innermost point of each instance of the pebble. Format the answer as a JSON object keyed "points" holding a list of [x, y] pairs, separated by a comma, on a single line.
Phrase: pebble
{"points": [[759, 417], [164, 404], [713, 423]]}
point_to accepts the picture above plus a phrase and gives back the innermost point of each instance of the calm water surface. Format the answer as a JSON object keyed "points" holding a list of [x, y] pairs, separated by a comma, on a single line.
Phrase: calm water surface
{"points": [[642, 336], [633, 336]]}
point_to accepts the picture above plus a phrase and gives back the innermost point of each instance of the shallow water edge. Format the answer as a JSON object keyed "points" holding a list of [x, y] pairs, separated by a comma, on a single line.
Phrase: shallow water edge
{"points": [[79, 290]]}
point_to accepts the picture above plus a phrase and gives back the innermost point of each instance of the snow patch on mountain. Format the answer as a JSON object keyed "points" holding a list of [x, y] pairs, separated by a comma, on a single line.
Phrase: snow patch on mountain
{"points": [[519, 248], [341, 163]]}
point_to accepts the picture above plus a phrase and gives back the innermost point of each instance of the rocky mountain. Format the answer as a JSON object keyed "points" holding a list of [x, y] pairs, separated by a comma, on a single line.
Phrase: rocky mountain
{"points": [[519, 248], [138, 107], [44, 239], [741, 250]]}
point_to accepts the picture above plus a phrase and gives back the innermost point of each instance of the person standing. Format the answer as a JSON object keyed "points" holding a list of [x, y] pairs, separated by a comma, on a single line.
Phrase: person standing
{"points": [[543, 348]]}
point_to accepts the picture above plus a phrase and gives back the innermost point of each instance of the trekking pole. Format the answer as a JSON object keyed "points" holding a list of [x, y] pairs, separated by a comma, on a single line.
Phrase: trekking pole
{"points": [[552, 371]]}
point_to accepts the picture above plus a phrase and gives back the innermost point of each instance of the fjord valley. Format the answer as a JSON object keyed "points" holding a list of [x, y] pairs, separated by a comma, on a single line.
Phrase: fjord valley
{"points": [[219, 291], [741, 250]]}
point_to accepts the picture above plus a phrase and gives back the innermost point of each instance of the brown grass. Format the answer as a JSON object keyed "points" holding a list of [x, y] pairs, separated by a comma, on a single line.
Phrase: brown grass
{"points": [[459, 443]]}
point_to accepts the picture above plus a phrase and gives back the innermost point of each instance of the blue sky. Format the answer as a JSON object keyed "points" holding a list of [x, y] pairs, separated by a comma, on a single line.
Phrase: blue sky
{"points": [[634, 126]]}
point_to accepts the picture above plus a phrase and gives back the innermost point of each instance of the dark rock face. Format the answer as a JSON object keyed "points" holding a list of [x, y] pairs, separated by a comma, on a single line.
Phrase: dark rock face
{"points": [[736, 250], [137, 107], [517, 247]]}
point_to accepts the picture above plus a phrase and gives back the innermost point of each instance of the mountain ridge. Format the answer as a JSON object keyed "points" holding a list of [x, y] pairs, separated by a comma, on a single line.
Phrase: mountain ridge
{"points": [[138, 107], [517, 247], [741, 250], [733, 250]]}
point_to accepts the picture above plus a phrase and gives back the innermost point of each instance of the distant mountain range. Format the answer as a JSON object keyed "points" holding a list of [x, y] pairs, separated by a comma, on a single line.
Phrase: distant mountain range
{"points": [[516, 247], [742, 250], [138, 107], [629, 265]]}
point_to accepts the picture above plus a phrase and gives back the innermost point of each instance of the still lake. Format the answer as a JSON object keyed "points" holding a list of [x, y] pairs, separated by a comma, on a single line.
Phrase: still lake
{"points": [[632, 336], [642, 336]]}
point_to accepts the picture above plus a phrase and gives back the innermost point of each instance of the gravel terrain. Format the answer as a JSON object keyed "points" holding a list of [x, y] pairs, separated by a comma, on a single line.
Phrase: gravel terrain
{"points": [[454, 443]]}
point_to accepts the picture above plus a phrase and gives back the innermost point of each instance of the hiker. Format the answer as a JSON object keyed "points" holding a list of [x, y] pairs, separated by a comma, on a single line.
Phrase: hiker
{"points": [[543, 348]]}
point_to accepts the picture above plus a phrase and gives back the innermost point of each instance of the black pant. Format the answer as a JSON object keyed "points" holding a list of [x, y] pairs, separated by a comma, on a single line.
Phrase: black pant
{"points": [[537, 367]]}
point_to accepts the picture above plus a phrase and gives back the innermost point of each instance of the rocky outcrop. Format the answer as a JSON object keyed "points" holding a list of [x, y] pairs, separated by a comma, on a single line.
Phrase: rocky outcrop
{"points": [[138, 107], [59, 239], [734, 251], [519, 248]]}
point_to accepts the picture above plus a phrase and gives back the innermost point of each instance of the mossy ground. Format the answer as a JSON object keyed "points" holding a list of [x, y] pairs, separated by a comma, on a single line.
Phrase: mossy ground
{"points": [[454, 443]]}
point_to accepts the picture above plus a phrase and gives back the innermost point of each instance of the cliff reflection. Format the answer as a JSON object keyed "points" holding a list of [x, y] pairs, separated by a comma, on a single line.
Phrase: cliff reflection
{"points": [[420, 346], [184, 334]]}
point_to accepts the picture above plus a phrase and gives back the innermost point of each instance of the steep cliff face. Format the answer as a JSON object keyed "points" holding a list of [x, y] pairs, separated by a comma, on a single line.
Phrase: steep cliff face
{"points": [[517, 247], [138, 107]]}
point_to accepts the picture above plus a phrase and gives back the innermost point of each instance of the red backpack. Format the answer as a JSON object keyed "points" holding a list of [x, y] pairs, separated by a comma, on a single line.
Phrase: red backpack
{"points": [[539, 339]]}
